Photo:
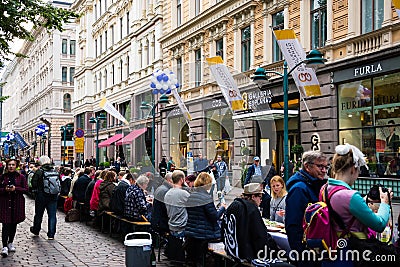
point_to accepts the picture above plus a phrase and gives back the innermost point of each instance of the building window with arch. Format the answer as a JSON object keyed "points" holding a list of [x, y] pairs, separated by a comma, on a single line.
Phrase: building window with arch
{"points": [[245, 43], [179, 142], [371, 15], [197, 56], [277, 24], [318, 23], [67, 103]]}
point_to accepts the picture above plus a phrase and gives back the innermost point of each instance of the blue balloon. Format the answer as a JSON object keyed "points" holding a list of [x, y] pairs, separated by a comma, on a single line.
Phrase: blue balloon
{"points": [[162, 91], [160, 77], [166, 78], [168, 91], [177, 85], [155, 91], [152, 85]]}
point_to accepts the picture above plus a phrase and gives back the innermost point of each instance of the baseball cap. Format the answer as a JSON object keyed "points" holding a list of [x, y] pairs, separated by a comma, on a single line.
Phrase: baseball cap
{"points": [[252, 188], [256, 158]]}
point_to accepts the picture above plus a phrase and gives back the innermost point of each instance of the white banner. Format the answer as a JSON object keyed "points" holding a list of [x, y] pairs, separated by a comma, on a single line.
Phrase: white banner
{"points": [[182, 106], [305, 78], [396, 4], [226, 82], [107, 106]]}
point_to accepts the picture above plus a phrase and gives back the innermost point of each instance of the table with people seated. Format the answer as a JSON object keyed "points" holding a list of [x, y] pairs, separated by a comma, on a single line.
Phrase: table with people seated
{"points": [[278, 233]]}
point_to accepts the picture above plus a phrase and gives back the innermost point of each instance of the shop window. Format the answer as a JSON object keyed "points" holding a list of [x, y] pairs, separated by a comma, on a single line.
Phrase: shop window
{"points": [[179, 140], [219, 45], [219, 136], [318, 23], [371, 15], [246, 40], [369, 118], [80, 120], [125, 110], [277, 24]]}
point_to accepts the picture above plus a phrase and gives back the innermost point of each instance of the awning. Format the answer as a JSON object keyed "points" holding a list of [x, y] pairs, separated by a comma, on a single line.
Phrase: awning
{"points": [[131, 136], [266, 115], [110, 140]]}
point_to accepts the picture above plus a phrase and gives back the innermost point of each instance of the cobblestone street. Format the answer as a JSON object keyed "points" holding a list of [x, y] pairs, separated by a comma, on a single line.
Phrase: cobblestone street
{"points": [[75, 244]]}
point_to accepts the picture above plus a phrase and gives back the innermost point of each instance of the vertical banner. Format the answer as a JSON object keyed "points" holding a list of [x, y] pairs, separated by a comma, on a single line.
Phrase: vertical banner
{"points": [[305, 78], [107, 106], [182, 106], [396, 4], [226, 82]]}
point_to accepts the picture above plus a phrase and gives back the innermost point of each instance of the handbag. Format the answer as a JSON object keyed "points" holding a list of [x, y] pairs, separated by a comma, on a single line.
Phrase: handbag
{"points": [[376, 250], [68, 204], [72, 215]]}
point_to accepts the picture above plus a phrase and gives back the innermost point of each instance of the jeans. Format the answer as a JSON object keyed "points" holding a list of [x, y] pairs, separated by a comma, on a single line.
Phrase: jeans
{"points": [[220, 183], [8, 233], [45, 202]]}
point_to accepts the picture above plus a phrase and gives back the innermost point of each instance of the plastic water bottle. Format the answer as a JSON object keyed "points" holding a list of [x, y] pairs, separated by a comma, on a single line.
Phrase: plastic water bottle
{"points": [[385, 235], [395, 233]]}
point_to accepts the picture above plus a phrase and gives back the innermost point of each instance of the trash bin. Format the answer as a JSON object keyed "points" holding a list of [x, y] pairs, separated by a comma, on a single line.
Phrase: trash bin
{"points": [[137, 249]]}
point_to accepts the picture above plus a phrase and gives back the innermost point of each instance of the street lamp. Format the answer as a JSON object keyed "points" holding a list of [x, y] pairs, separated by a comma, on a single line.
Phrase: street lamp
{"points": [[97, 120], [163, 100], [64, 130], [314, 58]]}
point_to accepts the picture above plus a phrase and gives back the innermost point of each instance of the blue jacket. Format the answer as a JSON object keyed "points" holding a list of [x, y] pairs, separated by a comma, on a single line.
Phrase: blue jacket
{"points": [[202, 216], [302, 189]]}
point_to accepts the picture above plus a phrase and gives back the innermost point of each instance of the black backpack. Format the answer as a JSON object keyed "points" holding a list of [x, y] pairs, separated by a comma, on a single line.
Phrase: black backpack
{"points": [[51, 182]]}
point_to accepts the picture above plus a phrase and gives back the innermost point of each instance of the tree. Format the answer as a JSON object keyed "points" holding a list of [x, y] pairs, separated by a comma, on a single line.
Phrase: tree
{"points": [[17, 17]]}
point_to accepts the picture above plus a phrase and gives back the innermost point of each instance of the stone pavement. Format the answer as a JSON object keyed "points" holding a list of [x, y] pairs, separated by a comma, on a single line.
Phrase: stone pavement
{"points": [[76, 244]]}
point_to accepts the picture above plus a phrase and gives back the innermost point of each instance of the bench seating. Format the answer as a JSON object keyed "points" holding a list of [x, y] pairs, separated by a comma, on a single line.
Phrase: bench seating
{"points": [[145, 226], [219, 253]]}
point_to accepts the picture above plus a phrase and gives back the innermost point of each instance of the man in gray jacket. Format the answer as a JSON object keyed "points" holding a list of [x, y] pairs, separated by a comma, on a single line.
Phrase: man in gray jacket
{"points": [[175, 200]]}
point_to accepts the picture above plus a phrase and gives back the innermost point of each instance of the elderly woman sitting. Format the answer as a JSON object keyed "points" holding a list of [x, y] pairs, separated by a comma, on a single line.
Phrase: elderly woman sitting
{"points": [[136, 204]]}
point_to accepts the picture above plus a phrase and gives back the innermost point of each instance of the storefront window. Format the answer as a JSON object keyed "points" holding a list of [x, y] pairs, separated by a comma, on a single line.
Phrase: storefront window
{"points": [[369, 118], [220, 132], [178, 140]]}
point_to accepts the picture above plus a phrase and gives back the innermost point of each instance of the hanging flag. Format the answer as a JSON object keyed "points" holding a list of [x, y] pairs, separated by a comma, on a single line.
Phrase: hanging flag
{"points": [[182, 106], [107, 106], [226, 82], [396, 4], [304, 77], [41, 129], [20, 141]]}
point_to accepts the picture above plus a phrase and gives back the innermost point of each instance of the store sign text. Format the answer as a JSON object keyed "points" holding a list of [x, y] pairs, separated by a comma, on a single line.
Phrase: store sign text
{"points": [[254, 99], [369, 69]]}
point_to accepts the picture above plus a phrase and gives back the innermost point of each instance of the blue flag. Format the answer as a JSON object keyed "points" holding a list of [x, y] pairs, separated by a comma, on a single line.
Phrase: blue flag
{"points": [[20, 141]]}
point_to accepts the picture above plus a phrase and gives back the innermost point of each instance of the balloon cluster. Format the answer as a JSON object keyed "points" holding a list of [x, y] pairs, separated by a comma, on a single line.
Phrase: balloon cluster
{"points": [[162, 82], [41, 129], [10, 136], [363, 93]]}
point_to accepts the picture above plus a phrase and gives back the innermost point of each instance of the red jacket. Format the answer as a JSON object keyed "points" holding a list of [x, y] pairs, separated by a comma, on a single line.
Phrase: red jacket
{"points": [[12, 204]]}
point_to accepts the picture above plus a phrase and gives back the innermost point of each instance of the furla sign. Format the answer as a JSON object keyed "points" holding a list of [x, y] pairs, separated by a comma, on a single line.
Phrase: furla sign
{"points": [[367, 70]]}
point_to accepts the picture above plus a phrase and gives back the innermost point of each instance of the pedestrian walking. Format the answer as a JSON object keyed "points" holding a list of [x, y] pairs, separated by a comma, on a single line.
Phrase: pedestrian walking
{"points": [[12, 204], [44, 200]]}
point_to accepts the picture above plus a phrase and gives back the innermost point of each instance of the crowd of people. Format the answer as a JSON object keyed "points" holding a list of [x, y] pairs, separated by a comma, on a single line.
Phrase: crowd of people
{"points": [[182, 206]]}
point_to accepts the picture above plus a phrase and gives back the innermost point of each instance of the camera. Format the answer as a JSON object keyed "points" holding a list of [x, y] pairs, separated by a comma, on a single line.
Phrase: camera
{"points": [[374, 194]]}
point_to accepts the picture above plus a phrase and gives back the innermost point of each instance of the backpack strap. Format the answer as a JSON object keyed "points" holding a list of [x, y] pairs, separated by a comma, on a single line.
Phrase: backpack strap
{"points": [[333, 213]]}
